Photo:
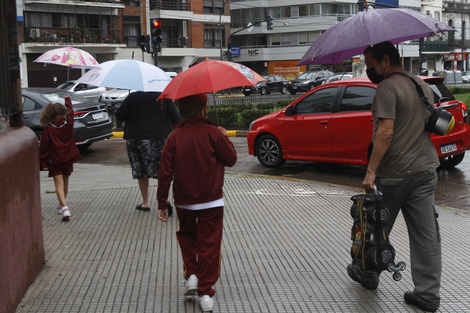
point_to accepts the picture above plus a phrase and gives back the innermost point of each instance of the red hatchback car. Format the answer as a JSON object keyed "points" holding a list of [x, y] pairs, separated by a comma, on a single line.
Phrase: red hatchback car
{"points": [[333, 123]]}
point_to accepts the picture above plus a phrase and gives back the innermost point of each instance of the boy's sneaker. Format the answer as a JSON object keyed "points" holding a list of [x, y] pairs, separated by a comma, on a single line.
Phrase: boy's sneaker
{"points": [[190, 285], [65, 213], [207, 303]]}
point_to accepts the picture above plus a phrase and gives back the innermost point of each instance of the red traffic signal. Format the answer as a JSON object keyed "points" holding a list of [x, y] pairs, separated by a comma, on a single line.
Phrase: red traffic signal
{"points": [[157, 23]]}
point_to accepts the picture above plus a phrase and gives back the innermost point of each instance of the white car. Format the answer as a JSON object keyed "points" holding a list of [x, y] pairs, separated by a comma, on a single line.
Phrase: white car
{"points": [[84, 90], [114, 98], [466, 77], [339, 76]]}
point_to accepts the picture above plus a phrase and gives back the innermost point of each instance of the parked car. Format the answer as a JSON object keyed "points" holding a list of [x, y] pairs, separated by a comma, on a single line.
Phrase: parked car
{"points": [[307, 81], [338, 76], [114, 98], [91, 120], [466, 77], [272, 83], [333, 123], [84, 90]]}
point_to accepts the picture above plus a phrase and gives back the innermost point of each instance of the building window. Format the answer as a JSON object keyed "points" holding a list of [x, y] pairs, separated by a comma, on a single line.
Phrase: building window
{"points": [[315, 9], [131, 35], [213, 6], [212, 38]]}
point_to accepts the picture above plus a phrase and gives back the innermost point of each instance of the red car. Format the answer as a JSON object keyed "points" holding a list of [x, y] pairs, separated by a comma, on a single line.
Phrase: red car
{"points": [[333, 123]]}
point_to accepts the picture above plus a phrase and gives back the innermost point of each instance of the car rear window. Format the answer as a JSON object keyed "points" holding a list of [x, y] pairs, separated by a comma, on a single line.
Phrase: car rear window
{"points": [[59, 97], [441, 91]]}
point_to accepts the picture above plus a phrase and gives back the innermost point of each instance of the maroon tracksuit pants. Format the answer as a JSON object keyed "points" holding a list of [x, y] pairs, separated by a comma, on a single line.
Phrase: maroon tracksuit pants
{"points": [[200, 240]]}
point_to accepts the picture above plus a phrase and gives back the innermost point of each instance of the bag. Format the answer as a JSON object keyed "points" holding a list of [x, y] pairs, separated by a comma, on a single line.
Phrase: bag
{"points": [[440, 122], [371, 249]]}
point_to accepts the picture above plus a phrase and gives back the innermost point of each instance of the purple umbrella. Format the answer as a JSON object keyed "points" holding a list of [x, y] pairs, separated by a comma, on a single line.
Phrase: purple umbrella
{"points": [[351, 36]]}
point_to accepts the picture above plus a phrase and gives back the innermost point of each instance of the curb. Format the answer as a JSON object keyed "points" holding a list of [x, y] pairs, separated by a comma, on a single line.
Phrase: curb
{"points": [[230, 133]]}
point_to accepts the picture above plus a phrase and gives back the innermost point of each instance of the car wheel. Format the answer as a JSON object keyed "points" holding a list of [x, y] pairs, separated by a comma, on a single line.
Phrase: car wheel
{"points": [[452, 160], [84, 146], [284, 90], [263, 91], [269, 151]]}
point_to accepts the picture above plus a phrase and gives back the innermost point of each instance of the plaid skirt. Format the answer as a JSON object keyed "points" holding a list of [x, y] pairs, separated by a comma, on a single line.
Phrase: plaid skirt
{"points": [[144, 156]]}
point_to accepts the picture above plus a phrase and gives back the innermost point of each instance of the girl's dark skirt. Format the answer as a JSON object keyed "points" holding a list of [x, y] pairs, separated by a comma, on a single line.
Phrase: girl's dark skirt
{"points": [[144, 156]]}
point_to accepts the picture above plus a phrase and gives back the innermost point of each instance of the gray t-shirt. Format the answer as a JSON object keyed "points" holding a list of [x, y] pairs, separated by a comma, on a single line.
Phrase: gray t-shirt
{"points": [[411, 150]]}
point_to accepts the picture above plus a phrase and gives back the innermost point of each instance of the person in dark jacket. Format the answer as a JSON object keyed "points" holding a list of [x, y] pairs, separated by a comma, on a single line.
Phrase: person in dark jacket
{"points": [[148, 121], [194, 158], [57, 149]]}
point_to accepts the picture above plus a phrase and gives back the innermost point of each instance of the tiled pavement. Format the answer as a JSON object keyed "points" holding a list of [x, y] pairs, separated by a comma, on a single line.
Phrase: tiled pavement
{"points": [[285, 249]]}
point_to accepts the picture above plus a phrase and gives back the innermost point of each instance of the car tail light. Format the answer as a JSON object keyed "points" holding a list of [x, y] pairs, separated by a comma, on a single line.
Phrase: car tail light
{"points": [[464, 109], [80, 114]]}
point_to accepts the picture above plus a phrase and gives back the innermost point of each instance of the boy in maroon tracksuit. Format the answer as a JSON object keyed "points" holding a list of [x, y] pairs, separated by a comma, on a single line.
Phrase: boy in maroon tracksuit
{"points": [[194, 157]]}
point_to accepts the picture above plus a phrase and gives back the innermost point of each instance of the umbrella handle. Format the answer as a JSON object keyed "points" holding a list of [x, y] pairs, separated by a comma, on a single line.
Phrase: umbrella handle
{"points": [[215, 106]]}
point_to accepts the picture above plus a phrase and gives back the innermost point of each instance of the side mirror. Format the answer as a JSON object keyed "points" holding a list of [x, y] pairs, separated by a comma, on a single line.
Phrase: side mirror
{"points": [[289, 111]]}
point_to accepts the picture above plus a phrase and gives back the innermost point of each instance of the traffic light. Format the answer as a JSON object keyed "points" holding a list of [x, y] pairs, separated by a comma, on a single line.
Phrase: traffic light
{"points": [[269, 22], [145, 43], [422, 58], [157, 35]]}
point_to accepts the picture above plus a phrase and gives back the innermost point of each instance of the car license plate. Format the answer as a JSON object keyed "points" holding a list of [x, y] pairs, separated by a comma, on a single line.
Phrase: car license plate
{"points": [[247, 89], [451, 147], [294, 87], [98, 116]]}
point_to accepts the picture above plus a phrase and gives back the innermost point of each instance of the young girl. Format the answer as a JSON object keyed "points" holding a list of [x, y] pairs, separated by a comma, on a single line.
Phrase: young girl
{"points": [[57, 151]]}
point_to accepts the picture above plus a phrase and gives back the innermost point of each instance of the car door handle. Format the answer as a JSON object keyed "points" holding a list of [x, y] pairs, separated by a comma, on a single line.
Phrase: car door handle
{"points": [[323, 122]]}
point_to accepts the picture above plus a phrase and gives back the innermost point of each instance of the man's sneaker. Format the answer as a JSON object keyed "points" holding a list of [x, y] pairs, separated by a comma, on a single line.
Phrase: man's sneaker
{"points": [[410, 298], [65, 213], [207, 303], [368, 279], [190, 285]]}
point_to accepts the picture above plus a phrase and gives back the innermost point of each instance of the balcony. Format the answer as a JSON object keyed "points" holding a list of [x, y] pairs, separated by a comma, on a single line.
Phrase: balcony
{"points": [[456, 6], [170, 5], [72, 35], [435, 46], [457, 44]]}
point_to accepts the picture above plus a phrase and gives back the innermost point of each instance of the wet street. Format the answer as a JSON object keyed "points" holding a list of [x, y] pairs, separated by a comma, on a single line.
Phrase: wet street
{"points": [[453, 189]]}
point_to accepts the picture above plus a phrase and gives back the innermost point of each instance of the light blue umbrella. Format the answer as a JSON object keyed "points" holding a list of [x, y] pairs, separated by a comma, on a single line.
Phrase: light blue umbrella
{"points": [[127, 74]]}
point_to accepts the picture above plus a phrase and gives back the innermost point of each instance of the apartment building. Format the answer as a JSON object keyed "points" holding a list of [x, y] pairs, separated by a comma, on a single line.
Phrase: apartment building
{"points": [[298, 23], [194, 29], [111, 29]]}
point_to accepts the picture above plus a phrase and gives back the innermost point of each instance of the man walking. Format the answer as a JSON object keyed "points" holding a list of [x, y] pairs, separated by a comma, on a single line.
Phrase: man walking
{"points": [[403, 166]]}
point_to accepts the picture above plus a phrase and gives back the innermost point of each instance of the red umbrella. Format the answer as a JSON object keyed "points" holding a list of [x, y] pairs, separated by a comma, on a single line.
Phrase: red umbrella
{"points": [[210, 76]]}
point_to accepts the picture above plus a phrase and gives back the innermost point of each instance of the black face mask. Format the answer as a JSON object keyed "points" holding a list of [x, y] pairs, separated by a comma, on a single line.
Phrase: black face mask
{"points": [[374, 76]]}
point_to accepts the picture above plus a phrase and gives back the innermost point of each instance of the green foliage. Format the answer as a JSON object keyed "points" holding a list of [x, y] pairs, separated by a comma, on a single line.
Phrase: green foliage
{"points": [[240, 115], [459, 90]]}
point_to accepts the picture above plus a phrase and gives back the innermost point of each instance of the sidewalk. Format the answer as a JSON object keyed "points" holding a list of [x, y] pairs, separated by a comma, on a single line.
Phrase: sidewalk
{"points": [[285, 249]]}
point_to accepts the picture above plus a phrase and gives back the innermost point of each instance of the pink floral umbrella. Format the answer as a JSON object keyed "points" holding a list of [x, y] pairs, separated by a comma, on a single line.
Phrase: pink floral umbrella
{"points": [[68, 56]]}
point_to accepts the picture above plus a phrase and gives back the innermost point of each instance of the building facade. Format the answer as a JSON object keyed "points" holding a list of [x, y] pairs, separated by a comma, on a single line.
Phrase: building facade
{"points": [[194, 29], [111, 29]]}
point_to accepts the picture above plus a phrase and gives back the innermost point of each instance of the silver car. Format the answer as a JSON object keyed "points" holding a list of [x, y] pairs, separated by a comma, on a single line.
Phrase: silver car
{"points": [[85, 90]]}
